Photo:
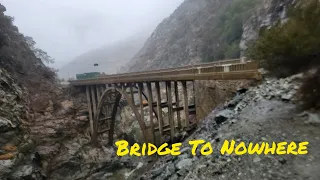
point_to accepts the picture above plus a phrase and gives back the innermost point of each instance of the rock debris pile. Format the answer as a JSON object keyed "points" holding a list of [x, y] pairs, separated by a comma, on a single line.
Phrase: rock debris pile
{"points": [[254, 115]]}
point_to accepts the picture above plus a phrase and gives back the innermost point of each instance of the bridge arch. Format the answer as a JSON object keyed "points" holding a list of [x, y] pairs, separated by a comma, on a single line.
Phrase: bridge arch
{"points": [[112, 96]]}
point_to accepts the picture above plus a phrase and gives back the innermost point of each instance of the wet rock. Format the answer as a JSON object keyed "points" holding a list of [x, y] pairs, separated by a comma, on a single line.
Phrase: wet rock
{"points": [[288, 96], [183, 156], [313, 118], [256, 159], [234, 101], [174, 177], [23, 172], [182, 172], [125, 160], [282, 160], [242, 90], [171, 168], [97, 176], [108, 175], [201, 167], [223, 116], [185, 150], [6, 125], [82, 118], [211, 168], [157, 172], [6, 167], [184, 163]]}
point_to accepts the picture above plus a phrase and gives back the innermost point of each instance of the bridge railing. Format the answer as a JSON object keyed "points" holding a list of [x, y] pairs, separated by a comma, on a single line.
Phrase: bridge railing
{"points": [[221, 62], [195, 71], [208, 68]]}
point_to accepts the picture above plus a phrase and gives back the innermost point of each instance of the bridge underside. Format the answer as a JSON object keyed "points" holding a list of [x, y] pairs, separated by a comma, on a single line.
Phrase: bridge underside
{"points": [[104, 100]]}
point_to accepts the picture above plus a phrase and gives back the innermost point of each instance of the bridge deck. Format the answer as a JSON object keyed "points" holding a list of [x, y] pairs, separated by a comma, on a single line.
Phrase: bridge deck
{"points": [[221, 70]]}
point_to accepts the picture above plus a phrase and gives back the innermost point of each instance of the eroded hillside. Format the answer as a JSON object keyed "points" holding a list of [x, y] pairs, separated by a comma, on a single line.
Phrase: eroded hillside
{"points": [[206, 30]]}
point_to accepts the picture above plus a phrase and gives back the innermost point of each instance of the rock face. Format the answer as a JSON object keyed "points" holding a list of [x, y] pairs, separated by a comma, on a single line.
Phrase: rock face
{"points": [[209, 94], [16, 149], [178, 39], [269, 13], [186, 37], [11, 100]]}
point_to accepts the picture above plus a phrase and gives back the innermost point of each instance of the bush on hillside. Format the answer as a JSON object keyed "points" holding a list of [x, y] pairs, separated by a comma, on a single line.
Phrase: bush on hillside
{"points": [[310, 91], [294, 46]]}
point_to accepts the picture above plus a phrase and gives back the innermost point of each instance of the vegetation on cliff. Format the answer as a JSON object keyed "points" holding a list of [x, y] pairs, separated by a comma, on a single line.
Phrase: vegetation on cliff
{"points": [[25, 64], [292, 47], [223, 42], [19, 56]]}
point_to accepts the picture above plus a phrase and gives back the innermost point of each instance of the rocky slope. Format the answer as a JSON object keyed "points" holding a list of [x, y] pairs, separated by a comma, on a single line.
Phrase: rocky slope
{"points": [[34, 118], [178, 39], [266, 113], [198, 31], [24, 80]]}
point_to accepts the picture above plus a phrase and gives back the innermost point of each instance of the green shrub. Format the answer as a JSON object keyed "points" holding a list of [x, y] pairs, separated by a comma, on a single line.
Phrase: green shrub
{"points": [[224, 40], [294, 46], [310, 91]]}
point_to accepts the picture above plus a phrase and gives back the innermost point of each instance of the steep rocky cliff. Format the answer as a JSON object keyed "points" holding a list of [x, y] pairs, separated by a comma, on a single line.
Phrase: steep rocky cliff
{"points": [[24, 81], [268, 13], [207, 30], [178, 39]]}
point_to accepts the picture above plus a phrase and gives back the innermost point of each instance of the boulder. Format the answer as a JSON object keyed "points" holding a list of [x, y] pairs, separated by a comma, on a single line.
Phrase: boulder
{"points": [[66, 105], [223, 116], [313, 118], [184, 163], [157, 172], [23, 172], [6, 167], [6, 124]]}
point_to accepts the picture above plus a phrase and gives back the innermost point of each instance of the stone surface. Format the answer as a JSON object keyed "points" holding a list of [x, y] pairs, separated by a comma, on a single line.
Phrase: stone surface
{"points": [[223, 116], [184, 163]]}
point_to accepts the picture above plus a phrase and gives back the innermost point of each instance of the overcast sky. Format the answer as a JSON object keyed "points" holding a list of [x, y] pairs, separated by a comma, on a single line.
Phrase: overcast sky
{"points": [[68, 28]]}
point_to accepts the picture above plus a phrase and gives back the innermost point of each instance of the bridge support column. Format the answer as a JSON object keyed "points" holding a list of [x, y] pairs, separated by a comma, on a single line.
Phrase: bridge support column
{"points": [[170, 114], [95, 123], [90, 111], [113, 119], [159, 110], [185, 103], [98, 91], [150, 103], [195, 101], [131, 93], [140, 89], [176, 91]]}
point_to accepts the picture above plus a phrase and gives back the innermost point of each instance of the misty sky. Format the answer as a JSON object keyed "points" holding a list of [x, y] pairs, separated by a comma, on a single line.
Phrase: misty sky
{"points": [[68, 28]]}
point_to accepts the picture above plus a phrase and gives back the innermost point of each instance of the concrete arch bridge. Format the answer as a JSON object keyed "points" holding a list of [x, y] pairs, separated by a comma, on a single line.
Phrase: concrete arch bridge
{"points": [[105, 92]]}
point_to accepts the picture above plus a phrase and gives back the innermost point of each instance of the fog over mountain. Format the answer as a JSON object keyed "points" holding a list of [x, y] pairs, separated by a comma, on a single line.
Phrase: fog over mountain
{"points": [[108, 57], [67, 29]]}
